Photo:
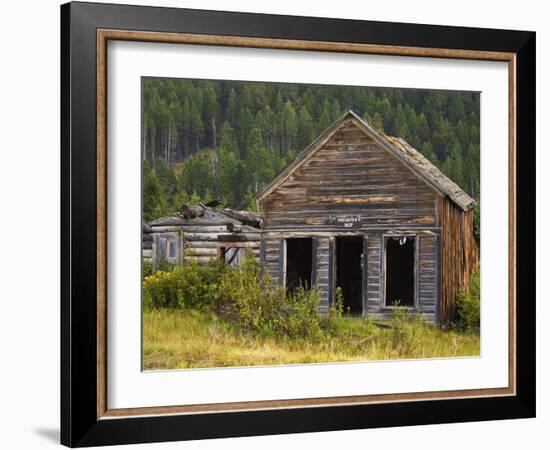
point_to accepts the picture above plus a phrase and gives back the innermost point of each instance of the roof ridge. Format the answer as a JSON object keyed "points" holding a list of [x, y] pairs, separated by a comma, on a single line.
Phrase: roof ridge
{"points": [[401, 149]]}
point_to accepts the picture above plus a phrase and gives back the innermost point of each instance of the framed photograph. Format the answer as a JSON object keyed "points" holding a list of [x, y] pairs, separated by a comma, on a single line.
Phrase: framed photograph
{"points": [[276, 224]]}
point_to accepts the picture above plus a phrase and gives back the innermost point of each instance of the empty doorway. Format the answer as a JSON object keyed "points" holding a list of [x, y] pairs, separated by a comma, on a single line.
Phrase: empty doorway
{"points": [[349, 272], [400, 257], [299, 263]]}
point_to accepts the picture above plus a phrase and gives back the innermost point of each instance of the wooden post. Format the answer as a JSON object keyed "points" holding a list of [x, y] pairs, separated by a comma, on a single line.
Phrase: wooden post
{"points": [[331, 270], [282, 262], [314, 243], [365, 276]]}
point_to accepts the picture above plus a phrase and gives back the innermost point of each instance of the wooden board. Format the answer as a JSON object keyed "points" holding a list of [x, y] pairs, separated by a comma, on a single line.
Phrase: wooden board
{"points": [[350, 179]]}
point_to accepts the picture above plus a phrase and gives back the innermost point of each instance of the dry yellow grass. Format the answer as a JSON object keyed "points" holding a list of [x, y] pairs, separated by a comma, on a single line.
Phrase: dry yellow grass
{"points": [[176, 339]]}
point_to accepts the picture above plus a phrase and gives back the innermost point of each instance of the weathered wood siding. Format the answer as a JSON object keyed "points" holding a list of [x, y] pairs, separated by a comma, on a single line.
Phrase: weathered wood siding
{"points": [[350, 175], [459, 255], [324, 265], [272, 257], [427, 286], [374, 273], [322, 272], [199, 243], [352, 185], [273, 262]]}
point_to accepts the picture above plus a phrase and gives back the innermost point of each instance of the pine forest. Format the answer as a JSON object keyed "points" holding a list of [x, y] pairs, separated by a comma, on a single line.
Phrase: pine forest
{"points": [[224, 140]]}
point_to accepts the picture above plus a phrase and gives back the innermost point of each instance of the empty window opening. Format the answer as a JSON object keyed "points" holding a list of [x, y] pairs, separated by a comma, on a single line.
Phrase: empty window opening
{"points": [[349, 272], [400, 271], [232, 256], [299, 263], [171, 249]]}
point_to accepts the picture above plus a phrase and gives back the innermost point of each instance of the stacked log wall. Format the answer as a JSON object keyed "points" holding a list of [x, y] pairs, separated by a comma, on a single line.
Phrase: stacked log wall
{"points": [[201, 244]]}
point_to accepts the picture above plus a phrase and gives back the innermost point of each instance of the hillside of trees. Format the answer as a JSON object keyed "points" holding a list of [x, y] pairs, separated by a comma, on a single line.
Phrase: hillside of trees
{"points": [[205, 140]]}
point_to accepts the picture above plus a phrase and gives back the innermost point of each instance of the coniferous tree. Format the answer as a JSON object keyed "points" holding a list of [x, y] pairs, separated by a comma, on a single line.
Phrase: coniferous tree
{"points": [[232, 111], [154, 201], [243, 128], [306, 130], [289, 126], [230, 138], [378, 122], [210, 113], [324, 119], [195, 127]]}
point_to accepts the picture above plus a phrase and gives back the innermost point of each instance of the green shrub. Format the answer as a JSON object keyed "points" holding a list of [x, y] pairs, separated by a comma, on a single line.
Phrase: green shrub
{"points": [[249, 299], [468, 306], [302, 319], [240, 295], [335, 321], [188, 286], [164, 266], [146, 268]]}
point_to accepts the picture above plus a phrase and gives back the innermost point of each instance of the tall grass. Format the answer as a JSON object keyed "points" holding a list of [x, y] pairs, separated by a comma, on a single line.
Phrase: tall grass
{"points": [[175, 339], [215, 316]]}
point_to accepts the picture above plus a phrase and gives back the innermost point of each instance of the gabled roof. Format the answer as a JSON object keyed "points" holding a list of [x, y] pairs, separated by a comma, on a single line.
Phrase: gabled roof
{"points": [[397, 147]]}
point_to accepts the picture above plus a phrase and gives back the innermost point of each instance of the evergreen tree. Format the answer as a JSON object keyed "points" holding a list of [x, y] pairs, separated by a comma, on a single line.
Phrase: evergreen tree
{"points": [[335, 110], [243, 128], [306, 129], [195, 127], [230, 138], [210, 113], [324, 119], [232, 111], [377, 121], [289, 126], [256, 160], [154, 201]]}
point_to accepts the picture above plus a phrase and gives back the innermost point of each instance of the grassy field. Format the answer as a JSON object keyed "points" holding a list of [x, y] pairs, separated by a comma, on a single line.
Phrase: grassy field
{"points": [[177, 339]]}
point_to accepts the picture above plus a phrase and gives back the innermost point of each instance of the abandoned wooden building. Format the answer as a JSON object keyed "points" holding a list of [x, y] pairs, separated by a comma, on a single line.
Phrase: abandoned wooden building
{"points": [[367, 213], [201, 233]]}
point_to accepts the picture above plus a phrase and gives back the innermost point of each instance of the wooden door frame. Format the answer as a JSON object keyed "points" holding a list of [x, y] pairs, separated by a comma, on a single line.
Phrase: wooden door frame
{"points": [[383, 271]]}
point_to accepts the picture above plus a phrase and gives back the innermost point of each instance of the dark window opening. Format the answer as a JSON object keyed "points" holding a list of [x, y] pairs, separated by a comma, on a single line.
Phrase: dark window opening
{"points": [[171, 249], [349, 272], [400, 271], [298, 263]]}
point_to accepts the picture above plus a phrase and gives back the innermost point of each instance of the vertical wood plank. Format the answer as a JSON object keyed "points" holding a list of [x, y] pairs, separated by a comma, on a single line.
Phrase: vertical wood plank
{"points": [[314, 244], [331, 270], [365, 275], [282, 262], [416, 271], [438, 280]]}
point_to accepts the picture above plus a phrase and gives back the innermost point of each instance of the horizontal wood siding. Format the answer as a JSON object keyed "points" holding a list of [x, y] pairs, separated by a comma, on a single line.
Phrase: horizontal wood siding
{"points": [[374, 272], [322, 268], [350, 175], [272, 260], [199, 244], [459, 255], [427, 274]]}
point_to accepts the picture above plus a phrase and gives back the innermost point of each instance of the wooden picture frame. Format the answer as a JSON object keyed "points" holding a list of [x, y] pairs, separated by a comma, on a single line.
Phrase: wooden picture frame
{"points": [[85, 416]]}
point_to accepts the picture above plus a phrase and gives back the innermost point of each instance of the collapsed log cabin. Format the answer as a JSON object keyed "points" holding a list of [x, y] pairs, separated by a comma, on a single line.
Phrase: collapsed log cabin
{"points": [[367, 213], [201, 233]]}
